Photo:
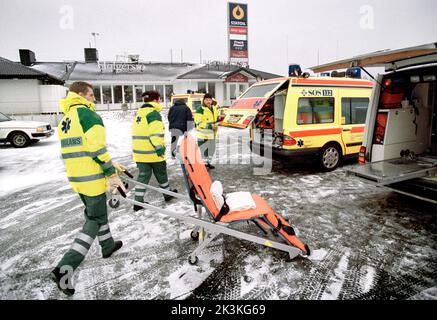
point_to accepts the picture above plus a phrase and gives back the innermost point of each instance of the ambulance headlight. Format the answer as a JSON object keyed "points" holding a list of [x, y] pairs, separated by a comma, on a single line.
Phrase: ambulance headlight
{"points": [[429, 78]]}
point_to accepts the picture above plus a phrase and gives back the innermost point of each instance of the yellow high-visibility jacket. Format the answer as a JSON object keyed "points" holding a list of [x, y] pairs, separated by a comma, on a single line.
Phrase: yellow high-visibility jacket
{"points": [[206, 121], [148, 134], [83, 146]]}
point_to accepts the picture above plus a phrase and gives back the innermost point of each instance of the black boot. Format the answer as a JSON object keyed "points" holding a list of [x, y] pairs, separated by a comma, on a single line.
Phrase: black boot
{"points": [[56, 276], [167, 197], [209, 166], [117, 246]]}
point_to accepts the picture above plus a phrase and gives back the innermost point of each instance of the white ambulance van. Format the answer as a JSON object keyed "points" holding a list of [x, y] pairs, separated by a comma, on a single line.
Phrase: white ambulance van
{"points": [[399, 148]]}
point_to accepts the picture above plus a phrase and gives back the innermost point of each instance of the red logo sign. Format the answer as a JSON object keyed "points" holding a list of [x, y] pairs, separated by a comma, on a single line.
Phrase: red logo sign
{"points": [[237, 77]]}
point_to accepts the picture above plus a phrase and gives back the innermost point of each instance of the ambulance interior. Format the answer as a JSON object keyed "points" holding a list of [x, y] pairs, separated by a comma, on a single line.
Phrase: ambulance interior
{"points": [[271, 116], [404, 139], [406, 119]]}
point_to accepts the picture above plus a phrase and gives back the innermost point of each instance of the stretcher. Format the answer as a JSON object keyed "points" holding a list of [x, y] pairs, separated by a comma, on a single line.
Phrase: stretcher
{"points": [[212, 221]]}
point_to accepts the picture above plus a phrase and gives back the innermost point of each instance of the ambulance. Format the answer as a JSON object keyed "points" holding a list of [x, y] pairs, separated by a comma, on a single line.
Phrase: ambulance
{"points": [[399, 148], [321, 118], [192, 100]]}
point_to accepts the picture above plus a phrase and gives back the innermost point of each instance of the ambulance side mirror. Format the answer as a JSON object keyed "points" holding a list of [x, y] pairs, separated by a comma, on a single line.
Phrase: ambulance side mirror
{"points": [[343, 120]]}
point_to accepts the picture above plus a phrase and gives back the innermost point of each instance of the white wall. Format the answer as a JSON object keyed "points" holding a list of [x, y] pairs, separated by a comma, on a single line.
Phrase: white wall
{"points": [[50, 96], [24, 96], [183, 86], [19, 96]]}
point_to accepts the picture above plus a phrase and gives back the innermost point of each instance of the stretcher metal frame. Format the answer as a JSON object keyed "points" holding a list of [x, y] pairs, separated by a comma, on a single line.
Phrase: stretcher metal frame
{"points": [[205, 230]]}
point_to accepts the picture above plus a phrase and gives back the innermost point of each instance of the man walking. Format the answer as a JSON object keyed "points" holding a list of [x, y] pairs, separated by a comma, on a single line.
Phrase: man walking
{"points": [[90, 171], [149, 146], [206, 120], [180, 120]]}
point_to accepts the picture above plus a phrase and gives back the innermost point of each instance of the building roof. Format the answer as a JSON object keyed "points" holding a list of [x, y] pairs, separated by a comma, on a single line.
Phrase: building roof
{"points": [[10, 70], [108, 71], [219, 71], [61, 70]]}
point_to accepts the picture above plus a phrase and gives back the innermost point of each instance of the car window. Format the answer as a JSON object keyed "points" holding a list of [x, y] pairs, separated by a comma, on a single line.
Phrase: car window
{"points": [[259, 91], [354, 110], [4, 117], [315, 110]]}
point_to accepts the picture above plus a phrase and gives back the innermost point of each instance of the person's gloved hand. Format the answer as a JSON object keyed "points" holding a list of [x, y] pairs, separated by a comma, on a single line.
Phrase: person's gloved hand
{"points": [[160, 150], [114, 181], [209, 126], [119, 167]]}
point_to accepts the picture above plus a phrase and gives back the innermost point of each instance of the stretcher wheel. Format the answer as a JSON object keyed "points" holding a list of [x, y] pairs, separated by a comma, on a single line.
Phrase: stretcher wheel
{"points": [[193, 261], [114, 203], [194, 235], [126, 185]]}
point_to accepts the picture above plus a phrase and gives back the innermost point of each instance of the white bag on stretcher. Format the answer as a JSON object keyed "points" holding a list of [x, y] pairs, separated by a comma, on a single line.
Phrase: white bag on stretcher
{"points": [[240, 201]]}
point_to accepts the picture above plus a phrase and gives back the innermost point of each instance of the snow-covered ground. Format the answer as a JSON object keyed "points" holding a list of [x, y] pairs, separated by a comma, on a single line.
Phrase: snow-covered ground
{"points": [[367, 242]]}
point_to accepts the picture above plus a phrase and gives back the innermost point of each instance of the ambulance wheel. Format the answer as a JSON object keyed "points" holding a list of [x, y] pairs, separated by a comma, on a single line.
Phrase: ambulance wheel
{"points": [[193, 261], [330, 157], [194, 235], [114, 203]]}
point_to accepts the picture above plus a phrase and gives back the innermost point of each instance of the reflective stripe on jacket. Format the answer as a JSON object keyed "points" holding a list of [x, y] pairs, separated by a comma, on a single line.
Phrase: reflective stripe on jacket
{"points": [[148, 134]]}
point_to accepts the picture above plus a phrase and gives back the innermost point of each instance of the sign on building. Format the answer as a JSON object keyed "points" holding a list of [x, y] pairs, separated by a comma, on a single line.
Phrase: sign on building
{"points": [[238, 33]]}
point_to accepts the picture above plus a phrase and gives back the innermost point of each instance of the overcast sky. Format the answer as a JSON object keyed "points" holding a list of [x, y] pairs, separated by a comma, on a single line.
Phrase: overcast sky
{"points": [[315, 30]]}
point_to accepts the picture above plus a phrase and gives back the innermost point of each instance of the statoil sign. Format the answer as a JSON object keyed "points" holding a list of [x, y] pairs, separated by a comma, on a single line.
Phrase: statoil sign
{"points": [[238, 32]]}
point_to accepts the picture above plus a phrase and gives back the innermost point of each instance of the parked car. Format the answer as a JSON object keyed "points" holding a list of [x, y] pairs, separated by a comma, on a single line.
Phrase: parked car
{"points": [[399, 149], [21, 133]]}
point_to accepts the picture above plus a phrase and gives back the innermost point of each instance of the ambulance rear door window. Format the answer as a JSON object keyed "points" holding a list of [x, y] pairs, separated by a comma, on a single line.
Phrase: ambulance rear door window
{"points": [[315, 110]]}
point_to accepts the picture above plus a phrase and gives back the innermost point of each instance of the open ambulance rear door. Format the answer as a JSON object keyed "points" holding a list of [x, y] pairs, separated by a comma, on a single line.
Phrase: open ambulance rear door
{"points": [[244, 110], [390, 169]]}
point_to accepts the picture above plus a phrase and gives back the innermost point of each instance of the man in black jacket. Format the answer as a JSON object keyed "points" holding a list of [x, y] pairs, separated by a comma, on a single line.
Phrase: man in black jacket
{"points": [[180, 120]]}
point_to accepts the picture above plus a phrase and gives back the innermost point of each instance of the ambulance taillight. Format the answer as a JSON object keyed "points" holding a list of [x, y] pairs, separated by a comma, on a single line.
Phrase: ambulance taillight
{"points": [[288, 141], [362, 155]]}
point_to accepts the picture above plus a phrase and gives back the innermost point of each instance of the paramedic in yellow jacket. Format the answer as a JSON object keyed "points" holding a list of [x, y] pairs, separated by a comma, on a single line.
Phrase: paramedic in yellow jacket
{"points": [[90, 171], [149, 145], [206, 121]]}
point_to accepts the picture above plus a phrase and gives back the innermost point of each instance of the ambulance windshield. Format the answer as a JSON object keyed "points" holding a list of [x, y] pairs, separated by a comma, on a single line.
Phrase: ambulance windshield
{"points": [[259, 91]]}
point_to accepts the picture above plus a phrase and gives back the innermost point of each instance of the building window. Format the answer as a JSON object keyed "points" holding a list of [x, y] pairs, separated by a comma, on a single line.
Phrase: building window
{"points": [[118, 94], [160, 89], [233, 91], [128, 94], [107, 96], [138, 93], [354, 110], [211, 88], [96, 90], [168, 91], [315, 110], [202, 87]]}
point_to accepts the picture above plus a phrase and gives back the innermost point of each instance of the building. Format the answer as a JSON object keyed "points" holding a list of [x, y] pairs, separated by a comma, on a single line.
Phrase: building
{"points": [[25, 91], [116, 83], [123, 81]]}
